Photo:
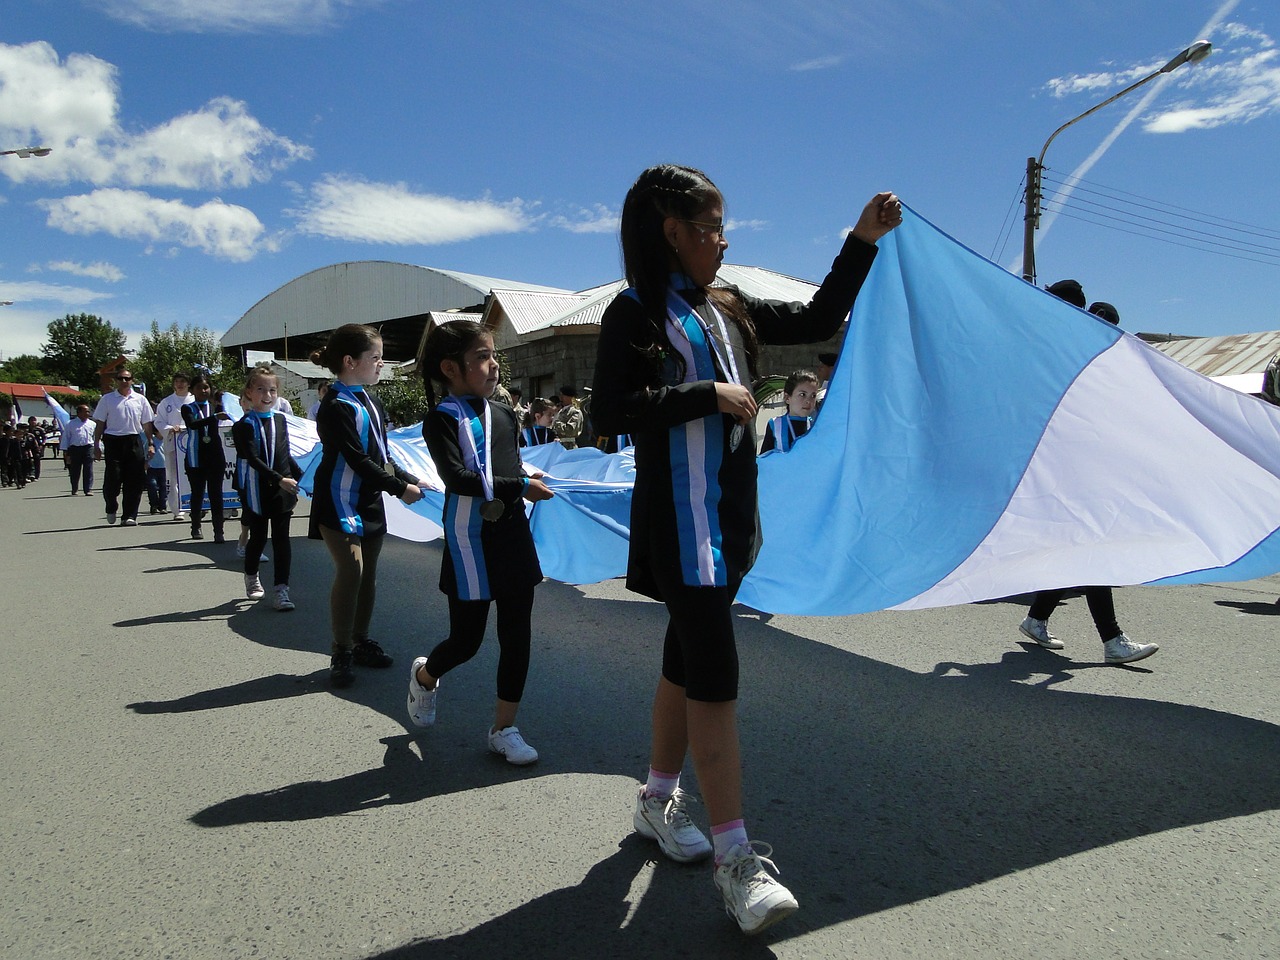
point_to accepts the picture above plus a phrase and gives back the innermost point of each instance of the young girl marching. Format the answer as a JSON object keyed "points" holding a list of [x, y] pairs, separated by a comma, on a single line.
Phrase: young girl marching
{"points": [[267, 477], [673, 369], [489, 556], [346, 504], [800, 393], [206, 461]]}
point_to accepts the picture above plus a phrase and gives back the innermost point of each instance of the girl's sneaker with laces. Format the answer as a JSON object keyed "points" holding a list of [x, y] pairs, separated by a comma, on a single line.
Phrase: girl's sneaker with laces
{"points": [[282, 601]]}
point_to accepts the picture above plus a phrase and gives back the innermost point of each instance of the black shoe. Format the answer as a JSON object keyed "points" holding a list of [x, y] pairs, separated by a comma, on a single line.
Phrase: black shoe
{"points": [[219, 538], [367, 653], [197, 533], [340, 672]]}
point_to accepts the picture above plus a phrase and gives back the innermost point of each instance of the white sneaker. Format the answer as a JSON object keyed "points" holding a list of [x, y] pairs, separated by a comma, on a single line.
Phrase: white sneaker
{"points": [[508, 743], [240, 550], [128, 522], [282, 601], [422, 702], [1038, 630], [253, 587], [668, 822], [179, 516], [1121, 649], [752, 897]]}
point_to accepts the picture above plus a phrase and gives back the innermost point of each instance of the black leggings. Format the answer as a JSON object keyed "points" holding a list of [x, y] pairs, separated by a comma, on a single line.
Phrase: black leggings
{"points": [[467, 621], [257, 524], [1101, 607], [699, 651], [206, 478]]}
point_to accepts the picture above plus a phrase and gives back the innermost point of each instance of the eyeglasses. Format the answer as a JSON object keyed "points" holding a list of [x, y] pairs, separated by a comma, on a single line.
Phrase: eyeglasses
{"points": [[712, 229], [126, 379]]}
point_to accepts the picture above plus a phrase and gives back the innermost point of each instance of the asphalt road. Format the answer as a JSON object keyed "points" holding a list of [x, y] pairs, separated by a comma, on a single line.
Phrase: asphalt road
{"points": [[180, 782]]}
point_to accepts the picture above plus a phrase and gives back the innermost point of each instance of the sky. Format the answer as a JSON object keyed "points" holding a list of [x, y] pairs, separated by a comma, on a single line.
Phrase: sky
{"points": [[207, 152]]}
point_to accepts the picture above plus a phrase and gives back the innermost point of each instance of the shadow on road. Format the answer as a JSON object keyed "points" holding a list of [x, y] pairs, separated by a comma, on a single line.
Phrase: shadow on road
{"points": [[878, 787]]}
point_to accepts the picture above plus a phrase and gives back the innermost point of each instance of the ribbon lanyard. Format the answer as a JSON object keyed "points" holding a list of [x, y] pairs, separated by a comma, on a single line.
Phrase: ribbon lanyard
{"points": [[370, 411], [720, 346], [269, 440], [480, 463]]}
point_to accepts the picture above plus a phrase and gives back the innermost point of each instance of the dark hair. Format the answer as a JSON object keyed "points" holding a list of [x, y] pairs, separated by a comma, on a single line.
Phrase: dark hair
{"points": [[568, 390], [668, 190], [199, 378], [446, 341], [797, 378], [349, 340], [539, 406]]}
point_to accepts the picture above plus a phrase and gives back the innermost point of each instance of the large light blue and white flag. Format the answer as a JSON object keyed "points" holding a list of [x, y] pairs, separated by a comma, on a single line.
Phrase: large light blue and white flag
{"points": [[982, 438]]}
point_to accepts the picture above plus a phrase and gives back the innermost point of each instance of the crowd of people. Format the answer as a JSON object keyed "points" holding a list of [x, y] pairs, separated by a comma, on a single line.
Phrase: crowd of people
{"points": [[675, 363]]}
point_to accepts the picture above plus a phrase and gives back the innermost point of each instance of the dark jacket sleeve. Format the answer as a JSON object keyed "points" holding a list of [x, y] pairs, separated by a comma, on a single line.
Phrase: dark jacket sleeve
{"points": [[336, 424], [782, 322], [769, 441], [629, 394]]}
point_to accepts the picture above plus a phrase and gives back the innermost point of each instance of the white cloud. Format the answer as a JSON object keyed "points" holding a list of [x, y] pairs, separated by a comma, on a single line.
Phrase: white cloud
{"points": [[295, 16], [818, 63], [357, 210], [97, 271], [27, 291], [598, 219], [1239, 82], [73, 107], [217, 228]]}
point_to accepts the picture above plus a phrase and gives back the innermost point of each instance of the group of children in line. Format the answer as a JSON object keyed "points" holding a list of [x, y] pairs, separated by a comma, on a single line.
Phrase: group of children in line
{"points": [[21, 447]]}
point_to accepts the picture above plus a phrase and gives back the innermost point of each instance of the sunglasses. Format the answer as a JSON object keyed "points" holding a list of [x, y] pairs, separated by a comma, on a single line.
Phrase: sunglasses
{"points": [[125, 379]]}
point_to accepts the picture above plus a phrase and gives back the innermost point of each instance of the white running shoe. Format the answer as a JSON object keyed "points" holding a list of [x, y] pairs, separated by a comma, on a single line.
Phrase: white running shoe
{"points": [[1038, 630], [282, 601], [752, 897], [422, 702], [668, 822], [1120, 649], [253, 587], [179, 516], [508, 743]]}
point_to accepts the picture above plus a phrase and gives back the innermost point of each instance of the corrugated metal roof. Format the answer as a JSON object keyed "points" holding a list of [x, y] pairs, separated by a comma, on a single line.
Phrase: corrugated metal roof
{"points": [[1226, 355], [529, 310]]}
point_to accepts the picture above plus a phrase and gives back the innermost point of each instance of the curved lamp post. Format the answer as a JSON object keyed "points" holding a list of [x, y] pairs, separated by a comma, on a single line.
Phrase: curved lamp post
{"points": [[1031, 221], [25, 152]]}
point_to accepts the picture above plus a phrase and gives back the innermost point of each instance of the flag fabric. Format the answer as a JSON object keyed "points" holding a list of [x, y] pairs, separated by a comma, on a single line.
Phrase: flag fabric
{"points": [[55, 408], [980, 438]]}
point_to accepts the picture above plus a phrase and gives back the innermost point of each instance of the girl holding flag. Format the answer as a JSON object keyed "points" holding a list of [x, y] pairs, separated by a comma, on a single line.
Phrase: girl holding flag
{"points": [[267, 477], [673, 369], [489, 556], [346, 504]]}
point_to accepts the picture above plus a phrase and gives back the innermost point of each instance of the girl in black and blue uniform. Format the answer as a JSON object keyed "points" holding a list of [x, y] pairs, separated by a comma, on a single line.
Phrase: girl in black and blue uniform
{"points": [[800, 393], [489, 556], [673, 370], [346, 504], [267, 477], [205, 460]]}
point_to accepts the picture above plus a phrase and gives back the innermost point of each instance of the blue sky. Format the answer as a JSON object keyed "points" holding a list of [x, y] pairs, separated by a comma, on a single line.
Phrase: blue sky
{"points": [[206, 152]]}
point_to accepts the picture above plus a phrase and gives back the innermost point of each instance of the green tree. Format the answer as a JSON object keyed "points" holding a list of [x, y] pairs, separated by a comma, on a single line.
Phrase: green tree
{"points": [[162, 353], [25, 368], [404, 398], [79, 346]]}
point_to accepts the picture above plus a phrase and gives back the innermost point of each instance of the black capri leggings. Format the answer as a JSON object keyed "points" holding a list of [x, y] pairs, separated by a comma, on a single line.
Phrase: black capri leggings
{"points": [[467, 622], [699, 652]]}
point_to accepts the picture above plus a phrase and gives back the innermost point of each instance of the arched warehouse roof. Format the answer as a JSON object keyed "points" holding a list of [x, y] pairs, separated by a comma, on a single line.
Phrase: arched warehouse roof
{"points": [[394, 297]]}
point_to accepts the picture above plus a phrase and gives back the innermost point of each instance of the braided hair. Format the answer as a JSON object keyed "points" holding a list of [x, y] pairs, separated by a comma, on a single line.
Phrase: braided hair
{"points": [[445, 341], [662, 191]]}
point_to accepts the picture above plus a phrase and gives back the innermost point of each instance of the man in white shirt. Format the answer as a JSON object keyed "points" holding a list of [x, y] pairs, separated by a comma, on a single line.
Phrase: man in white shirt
{"points": [[123, 418], [77, 446], [170, 426]]}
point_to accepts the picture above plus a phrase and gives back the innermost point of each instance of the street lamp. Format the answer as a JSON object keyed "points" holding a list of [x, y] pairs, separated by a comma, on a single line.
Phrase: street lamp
{"points": [[1031, 221], [24, 152]]}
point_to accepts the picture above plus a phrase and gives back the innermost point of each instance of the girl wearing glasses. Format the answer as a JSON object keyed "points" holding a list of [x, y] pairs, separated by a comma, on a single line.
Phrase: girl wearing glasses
{"points": [[673, 370]]}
